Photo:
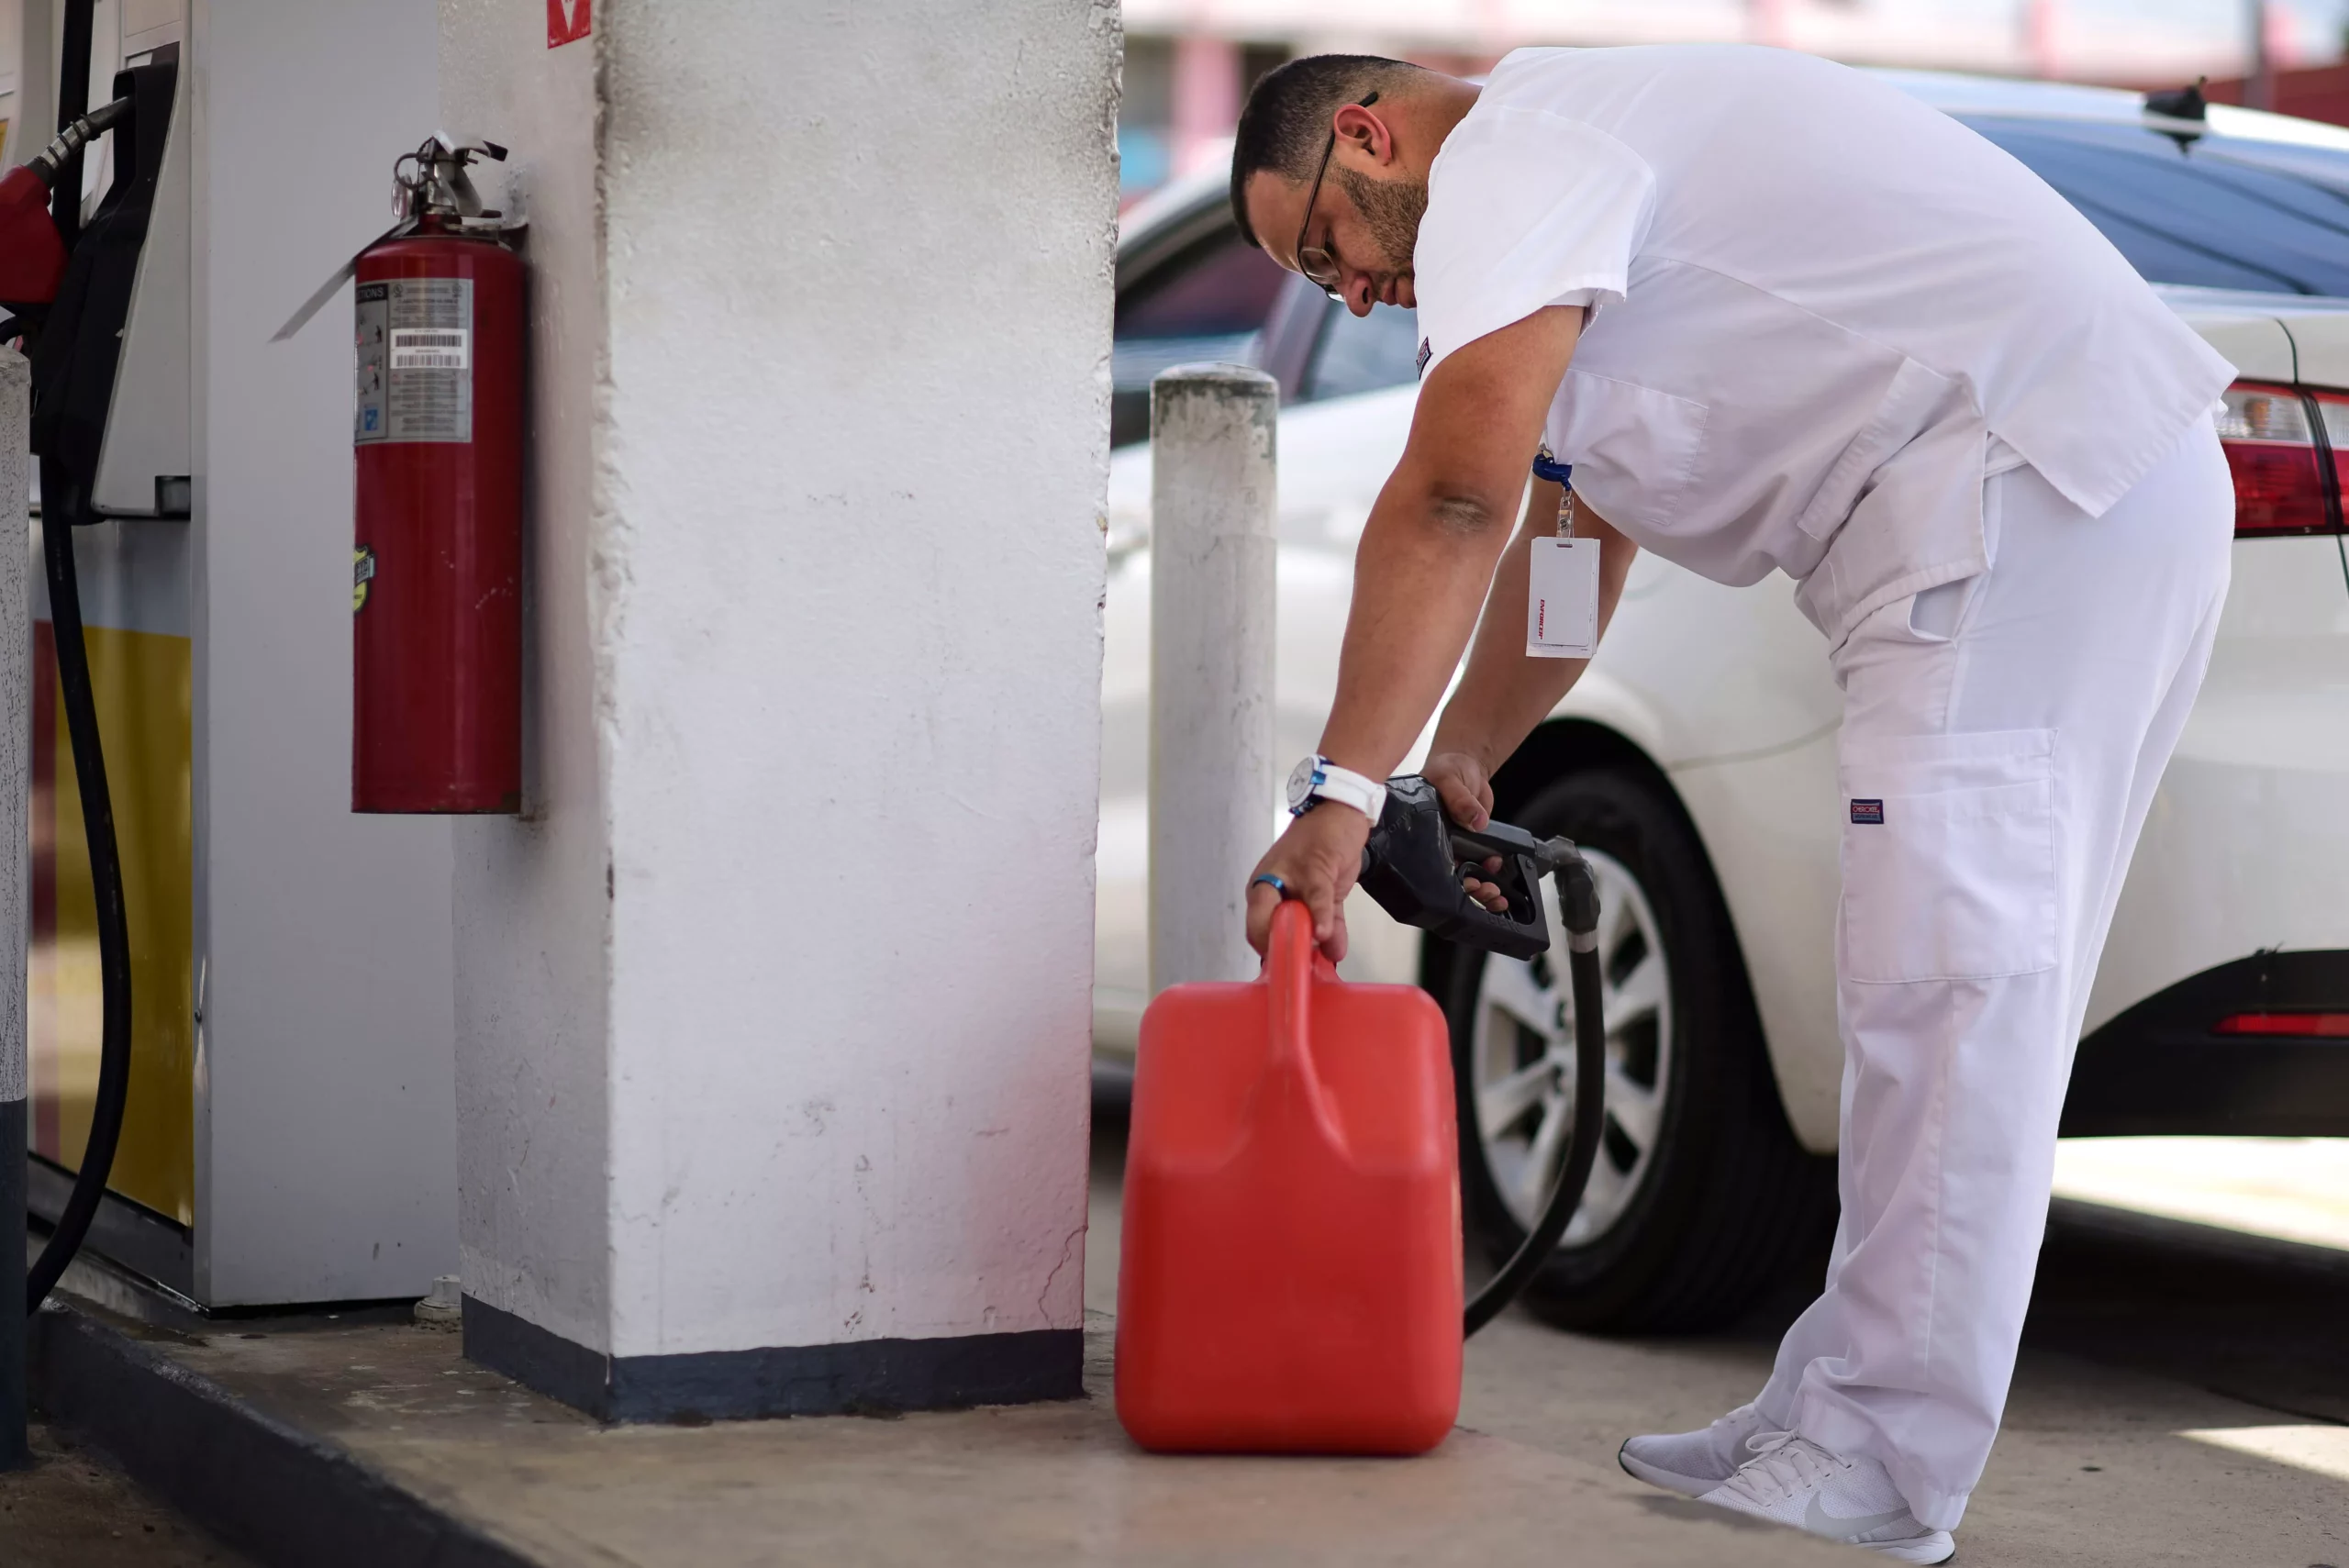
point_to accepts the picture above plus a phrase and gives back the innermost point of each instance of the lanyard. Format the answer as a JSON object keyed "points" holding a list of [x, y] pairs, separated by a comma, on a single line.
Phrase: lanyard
{"points": [[1547, 466]]}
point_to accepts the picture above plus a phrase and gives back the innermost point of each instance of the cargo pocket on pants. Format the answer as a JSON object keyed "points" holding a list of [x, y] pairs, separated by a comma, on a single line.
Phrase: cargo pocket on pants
{"points": [[1949, 857]]}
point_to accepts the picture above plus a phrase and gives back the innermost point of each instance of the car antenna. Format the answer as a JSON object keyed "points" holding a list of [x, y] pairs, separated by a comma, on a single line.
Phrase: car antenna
{"points": [[2182, 113]]}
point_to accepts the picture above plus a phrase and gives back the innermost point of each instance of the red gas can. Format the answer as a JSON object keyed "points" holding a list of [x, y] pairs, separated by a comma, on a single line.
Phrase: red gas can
{"points": [[1291, 1275]]}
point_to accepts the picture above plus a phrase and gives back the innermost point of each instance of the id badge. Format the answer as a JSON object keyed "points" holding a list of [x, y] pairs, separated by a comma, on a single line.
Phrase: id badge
{"points": [[1562, 608]]}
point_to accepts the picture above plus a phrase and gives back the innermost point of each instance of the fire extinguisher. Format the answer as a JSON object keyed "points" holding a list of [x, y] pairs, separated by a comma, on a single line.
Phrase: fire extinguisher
{"points": [[436, 591]]}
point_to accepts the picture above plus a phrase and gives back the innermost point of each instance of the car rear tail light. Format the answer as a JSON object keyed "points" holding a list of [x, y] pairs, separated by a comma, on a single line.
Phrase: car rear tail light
{"points": [[2305, 1026], [2332, 408], [2271, 446]]}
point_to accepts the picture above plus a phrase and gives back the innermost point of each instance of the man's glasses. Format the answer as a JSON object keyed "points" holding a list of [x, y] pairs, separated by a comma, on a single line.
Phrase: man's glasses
{"points": [[1318, 263]]}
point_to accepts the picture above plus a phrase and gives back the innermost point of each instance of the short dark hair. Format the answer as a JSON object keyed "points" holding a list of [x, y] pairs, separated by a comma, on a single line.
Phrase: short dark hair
{"points": [[1287, 117]]}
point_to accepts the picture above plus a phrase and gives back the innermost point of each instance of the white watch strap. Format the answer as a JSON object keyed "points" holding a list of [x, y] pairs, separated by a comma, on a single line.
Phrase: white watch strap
{"points": [[1347, 787]]}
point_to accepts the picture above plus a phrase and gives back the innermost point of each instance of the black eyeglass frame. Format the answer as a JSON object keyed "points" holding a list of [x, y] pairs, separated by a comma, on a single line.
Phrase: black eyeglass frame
{"points": [[1322, 273]]}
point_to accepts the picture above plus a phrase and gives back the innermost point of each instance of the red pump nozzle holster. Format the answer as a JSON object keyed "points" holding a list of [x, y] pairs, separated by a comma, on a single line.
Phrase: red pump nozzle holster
{"points": [[33, 258]]}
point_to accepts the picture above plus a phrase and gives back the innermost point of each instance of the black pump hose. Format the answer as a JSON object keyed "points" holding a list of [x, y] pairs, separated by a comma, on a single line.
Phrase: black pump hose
{"points": [[60, 508], [1578, 906], [72, 103]]}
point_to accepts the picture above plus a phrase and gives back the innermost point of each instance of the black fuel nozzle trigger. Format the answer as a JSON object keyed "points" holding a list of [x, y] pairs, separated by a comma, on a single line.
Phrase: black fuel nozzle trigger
{"points": [[1417, 856]]}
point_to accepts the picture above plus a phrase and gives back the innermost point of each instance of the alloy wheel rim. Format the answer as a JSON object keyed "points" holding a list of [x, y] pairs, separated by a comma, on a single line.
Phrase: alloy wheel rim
{"points": [[1521, 1056]]}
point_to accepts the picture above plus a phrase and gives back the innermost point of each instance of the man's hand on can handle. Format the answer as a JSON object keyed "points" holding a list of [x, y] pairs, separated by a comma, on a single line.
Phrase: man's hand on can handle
{"points": [[1318, 861], [1466, 792]]}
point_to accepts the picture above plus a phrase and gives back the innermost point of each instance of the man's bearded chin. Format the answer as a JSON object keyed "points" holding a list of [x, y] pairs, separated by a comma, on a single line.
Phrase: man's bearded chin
{"points": [[1391, 209]]}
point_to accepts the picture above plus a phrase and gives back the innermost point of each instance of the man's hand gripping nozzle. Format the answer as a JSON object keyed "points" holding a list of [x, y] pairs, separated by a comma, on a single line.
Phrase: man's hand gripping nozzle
{"points": [[1417, 858]]}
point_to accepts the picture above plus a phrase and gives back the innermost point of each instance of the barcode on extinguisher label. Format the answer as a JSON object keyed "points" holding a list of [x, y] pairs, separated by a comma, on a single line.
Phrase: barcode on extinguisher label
{"points": [[423, 348]]}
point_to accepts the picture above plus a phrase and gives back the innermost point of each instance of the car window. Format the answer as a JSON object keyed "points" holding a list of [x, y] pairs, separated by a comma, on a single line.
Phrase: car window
{"points": [[2222, 212], [1209, 302], [1363, 353]]}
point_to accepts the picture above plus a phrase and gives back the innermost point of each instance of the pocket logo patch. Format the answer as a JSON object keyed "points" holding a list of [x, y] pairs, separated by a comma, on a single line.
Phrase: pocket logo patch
{"points": [[1870, 812]]}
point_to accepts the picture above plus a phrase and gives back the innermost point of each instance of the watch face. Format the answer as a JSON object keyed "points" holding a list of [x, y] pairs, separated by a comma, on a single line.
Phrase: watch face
{"points": [[1300, 782]]}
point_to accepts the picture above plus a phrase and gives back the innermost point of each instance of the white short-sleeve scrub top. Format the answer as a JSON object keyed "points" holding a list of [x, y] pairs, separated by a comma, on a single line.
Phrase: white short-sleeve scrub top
{"points": [[1817, 306]]}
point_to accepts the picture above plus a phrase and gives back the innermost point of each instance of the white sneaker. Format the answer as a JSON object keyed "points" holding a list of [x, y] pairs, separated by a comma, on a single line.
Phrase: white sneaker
{"points": [[1793, 1481], [1693, 1464]]}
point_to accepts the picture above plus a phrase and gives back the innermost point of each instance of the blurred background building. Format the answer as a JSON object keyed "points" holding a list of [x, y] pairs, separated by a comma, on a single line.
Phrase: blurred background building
{"points": [[1189, 62]]}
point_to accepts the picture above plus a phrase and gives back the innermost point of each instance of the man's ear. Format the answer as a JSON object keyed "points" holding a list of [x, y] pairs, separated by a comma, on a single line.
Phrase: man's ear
{"points": [[1363, 130]]}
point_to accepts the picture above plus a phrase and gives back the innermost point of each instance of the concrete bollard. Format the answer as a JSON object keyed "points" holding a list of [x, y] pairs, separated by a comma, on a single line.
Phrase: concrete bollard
{"points": [[15, 908], [1212, 561]]}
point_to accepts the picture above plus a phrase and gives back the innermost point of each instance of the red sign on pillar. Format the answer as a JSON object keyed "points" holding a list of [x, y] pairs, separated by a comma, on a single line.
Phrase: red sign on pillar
{"points": [[566, 21]]}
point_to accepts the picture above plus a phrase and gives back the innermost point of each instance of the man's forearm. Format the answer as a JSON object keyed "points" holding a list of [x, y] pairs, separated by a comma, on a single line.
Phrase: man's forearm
{"points": [[1504, 694], [1429, 547], [1420, 575]]}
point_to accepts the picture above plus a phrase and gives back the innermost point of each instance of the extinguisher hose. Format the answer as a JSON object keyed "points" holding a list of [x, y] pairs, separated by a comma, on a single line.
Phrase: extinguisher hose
{"points": [[61, 507], [1578, 910]]}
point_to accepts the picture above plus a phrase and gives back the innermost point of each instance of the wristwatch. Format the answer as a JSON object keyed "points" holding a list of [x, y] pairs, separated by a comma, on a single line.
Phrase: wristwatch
{"points": [[1318, 779]]}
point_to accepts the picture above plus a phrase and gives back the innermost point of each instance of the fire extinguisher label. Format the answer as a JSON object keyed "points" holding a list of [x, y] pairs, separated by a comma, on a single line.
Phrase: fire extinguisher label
{"points": [[362, 572], [416, 376]]}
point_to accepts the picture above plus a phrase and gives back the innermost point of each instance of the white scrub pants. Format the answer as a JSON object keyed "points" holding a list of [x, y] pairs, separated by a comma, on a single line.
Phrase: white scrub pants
{"points": [[2002, 738]]}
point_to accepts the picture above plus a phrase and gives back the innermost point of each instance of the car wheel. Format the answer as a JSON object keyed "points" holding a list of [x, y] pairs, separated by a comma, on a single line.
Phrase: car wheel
{"points": [[1701, 1198]]}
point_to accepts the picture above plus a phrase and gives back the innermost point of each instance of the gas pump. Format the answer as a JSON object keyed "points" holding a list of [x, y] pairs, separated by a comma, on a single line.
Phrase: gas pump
{"points": [[191, 883], [71, 288], [435, 701], [77, 303]]}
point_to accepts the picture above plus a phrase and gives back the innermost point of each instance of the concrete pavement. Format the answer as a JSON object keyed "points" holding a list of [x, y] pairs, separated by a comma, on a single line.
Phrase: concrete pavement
{"points": [[2180, 1401], [2293, 1189], [75, 1509], [2181, 1398], [519, 1480]]}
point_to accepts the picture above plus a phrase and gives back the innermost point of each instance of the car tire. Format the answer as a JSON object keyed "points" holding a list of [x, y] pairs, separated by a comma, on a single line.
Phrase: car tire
{"points": [[1686, 1230]]}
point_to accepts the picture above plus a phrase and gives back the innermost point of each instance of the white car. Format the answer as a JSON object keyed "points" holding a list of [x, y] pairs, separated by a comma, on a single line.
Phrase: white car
{"points": [[1695, 760]]}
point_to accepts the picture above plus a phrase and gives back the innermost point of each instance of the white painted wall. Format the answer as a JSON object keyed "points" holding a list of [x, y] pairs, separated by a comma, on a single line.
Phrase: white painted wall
{"points": [[325, 1113], [532, 903], [819, 575]]}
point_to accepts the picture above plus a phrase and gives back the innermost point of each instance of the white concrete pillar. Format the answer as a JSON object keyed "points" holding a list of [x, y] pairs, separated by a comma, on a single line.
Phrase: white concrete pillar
{"points": [[1212, 560], [774, 1009]]}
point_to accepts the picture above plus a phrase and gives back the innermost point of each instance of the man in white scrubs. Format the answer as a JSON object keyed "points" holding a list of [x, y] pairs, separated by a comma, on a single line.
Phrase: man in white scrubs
{"points": [[1779, 316]]}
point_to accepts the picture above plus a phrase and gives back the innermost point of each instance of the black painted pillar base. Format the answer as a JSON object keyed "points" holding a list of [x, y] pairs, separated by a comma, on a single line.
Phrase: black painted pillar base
{"points": [[867, 1377], [14, 1452]]}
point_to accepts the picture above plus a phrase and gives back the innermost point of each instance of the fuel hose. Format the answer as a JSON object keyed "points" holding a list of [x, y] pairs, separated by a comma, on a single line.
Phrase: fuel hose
{"points": [[1578, 911], [106, 880], [64, 506]]}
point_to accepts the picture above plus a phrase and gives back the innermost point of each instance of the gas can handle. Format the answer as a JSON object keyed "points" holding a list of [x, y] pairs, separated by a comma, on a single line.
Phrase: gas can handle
{"points": [[1293, 931], [1291, 966]]}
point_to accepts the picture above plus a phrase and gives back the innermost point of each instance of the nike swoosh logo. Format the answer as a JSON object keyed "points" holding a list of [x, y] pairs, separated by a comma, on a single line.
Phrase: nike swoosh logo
{"points": [[1834, 1527]]}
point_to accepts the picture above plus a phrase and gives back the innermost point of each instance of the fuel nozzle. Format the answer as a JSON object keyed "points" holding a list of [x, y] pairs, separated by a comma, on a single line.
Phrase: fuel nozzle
{"points": [[1416, 855], [32, 255]]}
